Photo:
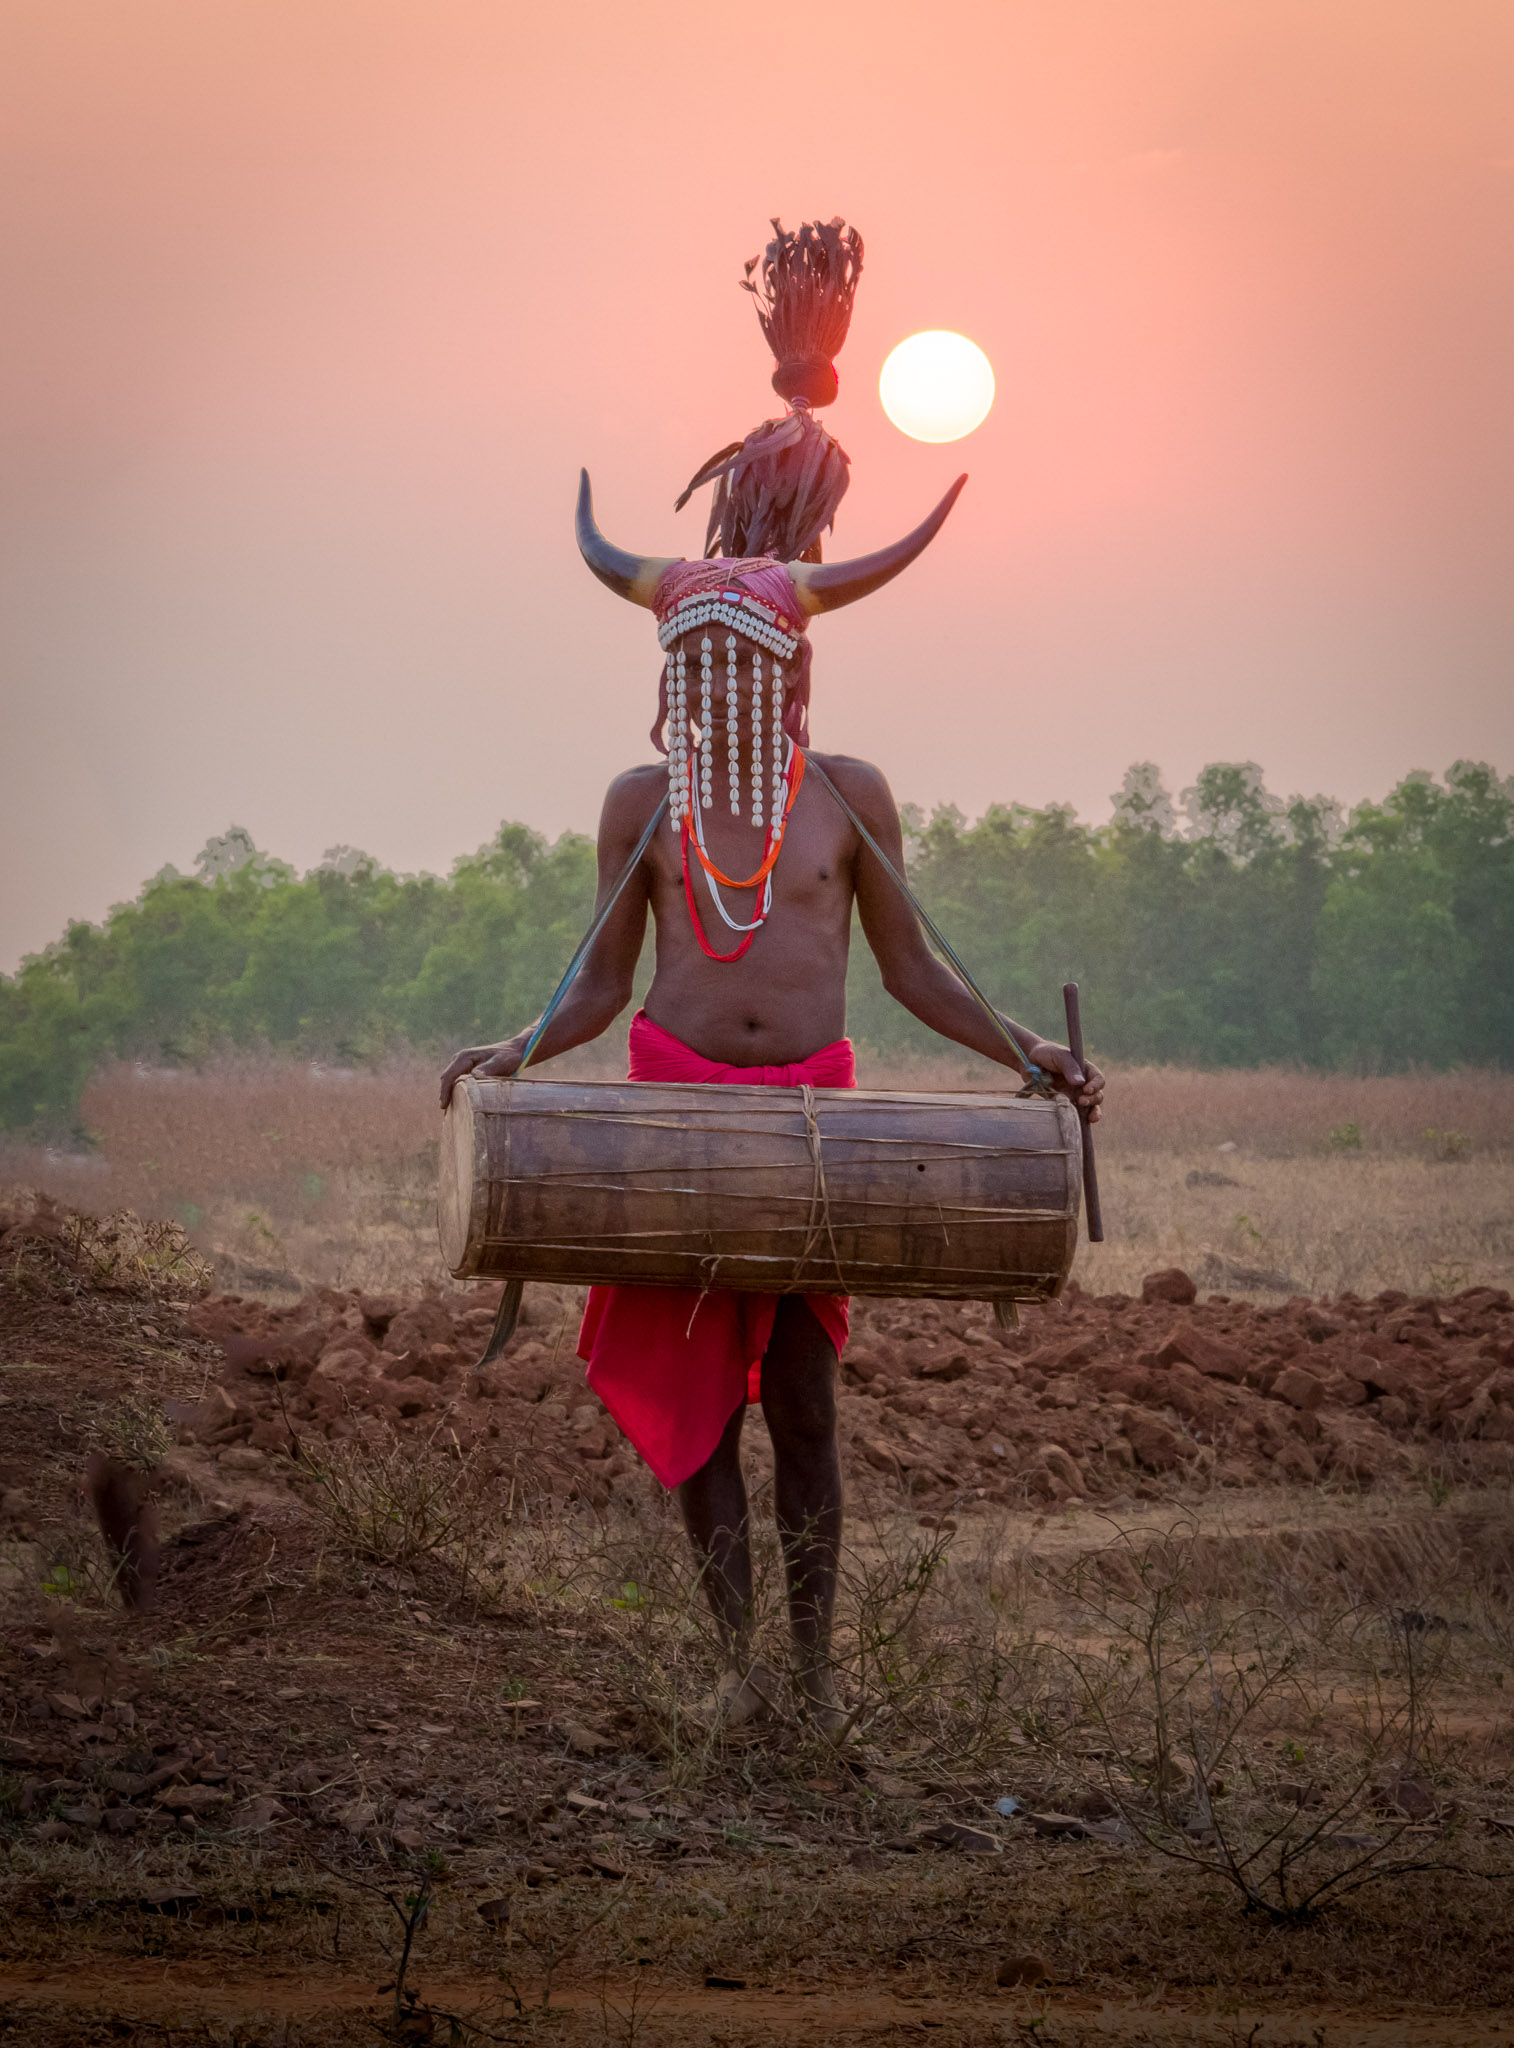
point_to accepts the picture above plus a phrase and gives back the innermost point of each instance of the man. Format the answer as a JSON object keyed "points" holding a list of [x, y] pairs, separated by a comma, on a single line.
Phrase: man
{"points": [[750, 985]]}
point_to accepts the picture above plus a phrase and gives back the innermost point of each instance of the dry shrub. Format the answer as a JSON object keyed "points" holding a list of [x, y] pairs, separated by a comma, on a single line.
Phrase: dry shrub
{"points": [[395, 1501], [60, 1251], [934, 1657], [1185, 1694]]}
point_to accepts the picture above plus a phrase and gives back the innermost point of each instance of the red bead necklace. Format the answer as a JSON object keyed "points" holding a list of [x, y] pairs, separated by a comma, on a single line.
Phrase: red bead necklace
{"points": [[771, 846]]}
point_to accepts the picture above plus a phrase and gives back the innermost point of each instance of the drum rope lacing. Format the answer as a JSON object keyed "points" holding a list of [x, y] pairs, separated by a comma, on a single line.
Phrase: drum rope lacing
{"points": [[820, 1201], [819, 1217]]}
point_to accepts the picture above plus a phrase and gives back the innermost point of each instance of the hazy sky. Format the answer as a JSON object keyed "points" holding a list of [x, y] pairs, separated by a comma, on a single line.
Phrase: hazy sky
{"points": [[314, 308]]}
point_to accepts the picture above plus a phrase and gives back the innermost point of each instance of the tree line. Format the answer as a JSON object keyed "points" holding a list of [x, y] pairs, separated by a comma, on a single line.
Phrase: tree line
{"points": [[1236, 930]]}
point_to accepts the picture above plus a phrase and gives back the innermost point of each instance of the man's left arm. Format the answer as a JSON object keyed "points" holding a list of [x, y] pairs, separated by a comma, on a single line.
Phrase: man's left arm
{"points": [[911, 972]]}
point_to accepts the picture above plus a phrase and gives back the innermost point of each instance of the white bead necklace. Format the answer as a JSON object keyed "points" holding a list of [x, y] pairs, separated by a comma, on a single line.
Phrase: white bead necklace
{"points": [[732, 733], [706, 727], [765, 903]]}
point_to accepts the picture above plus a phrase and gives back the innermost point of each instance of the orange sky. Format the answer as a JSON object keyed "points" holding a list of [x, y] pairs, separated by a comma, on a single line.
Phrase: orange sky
{"points": [[314, 307]]}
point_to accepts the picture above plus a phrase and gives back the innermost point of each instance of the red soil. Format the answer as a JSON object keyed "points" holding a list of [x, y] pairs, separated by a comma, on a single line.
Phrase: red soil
{"points": [[1091, 1398]]}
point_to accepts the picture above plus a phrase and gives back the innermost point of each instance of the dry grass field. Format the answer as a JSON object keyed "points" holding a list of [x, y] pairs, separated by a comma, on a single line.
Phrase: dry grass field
{"points": [[1307, 1183]]}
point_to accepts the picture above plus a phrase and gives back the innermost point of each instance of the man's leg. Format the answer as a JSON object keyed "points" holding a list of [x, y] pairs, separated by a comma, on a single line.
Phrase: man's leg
{"points": [[799, 1404], [714, 1507]]}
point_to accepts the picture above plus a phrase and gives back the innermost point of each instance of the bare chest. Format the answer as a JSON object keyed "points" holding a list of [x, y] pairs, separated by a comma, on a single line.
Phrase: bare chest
{"points": [[813, 878]]}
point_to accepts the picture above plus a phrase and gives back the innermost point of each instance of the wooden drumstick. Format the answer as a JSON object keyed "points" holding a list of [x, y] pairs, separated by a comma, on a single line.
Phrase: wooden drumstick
{"points": [[1090, 1171]]}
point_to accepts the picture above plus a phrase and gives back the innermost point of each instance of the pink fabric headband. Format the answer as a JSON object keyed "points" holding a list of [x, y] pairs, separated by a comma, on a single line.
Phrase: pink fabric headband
{"points": [[752, 596]]}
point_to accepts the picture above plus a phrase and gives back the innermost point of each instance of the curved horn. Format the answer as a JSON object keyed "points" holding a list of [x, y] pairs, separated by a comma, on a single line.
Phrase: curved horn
{"points": [[823, 587], [632, 576]]}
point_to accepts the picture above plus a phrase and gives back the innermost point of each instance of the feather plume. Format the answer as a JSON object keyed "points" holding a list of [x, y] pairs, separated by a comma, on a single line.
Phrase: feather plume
{"points": [[807, 281], [777, 491]]}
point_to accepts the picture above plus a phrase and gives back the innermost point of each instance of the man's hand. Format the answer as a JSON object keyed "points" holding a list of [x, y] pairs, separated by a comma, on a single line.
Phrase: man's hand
{"points": [[489, 1062], [1083, 1086]]}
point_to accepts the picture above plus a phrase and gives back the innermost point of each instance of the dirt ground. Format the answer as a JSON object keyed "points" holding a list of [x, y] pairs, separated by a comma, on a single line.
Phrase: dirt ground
{"points": [[419, 1639]]}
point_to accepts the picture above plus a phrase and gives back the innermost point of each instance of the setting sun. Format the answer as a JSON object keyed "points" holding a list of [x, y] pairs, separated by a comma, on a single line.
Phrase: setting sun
{"points": [[937, 386]]}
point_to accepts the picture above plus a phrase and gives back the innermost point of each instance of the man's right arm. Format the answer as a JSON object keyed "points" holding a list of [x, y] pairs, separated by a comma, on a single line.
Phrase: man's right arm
{"points": [[602, 987]]}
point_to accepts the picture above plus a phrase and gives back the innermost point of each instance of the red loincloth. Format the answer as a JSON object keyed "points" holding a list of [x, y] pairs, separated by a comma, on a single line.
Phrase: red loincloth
{"points": [[672, 1365]]}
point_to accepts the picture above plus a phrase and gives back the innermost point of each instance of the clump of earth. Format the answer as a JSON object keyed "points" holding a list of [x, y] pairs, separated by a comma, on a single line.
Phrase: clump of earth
{"points": [[1091, 1398]]}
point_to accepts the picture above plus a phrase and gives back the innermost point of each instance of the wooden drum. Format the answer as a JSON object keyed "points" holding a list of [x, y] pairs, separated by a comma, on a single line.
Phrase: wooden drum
{"points": [[772, 1190]]}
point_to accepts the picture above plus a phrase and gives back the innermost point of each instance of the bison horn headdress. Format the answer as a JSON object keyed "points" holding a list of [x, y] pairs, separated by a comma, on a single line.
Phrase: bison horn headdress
{"points": [[761, 578]]}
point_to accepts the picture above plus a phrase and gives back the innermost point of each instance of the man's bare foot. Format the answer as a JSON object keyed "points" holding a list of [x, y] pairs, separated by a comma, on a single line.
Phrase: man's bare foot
{"points": [[822, 1709], [744, 1692]]}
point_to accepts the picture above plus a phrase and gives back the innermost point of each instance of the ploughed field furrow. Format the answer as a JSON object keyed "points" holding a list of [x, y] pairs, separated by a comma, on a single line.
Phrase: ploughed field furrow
{"points": [[1094, 1397]]}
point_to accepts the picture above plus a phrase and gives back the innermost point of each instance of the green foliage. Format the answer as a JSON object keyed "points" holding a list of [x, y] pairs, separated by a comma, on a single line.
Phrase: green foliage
{"points": [[1263, 932], [1416, 939], [343, 965]]}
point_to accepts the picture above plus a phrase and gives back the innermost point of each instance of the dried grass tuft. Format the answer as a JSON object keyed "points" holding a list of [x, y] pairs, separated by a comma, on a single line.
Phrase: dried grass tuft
{"points": [[389, 1500]]}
